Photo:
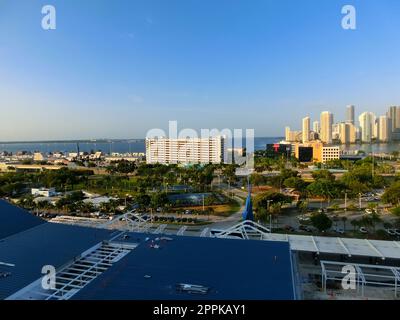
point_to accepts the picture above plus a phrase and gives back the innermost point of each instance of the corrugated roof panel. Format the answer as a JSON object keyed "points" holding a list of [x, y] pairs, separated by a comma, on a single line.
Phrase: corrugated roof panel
{"points": [[46, 244], [231, 269], [14, 220]]}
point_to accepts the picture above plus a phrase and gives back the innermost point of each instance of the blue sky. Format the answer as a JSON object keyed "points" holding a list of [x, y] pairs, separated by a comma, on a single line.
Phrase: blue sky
{"points": [[116, 69]]}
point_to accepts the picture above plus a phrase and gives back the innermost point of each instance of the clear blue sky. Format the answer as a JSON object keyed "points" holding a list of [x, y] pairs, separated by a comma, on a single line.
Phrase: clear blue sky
{"points": [[116, 69]]}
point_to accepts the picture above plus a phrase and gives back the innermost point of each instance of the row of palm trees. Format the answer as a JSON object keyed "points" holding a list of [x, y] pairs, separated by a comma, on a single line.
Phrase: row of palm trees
{"points": [[64, 207]]}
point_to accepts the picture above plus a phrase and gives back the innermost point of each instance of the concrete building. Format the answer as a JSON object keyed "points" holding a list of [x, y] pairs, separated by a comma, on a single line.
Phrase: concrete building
{"points": [[326, 127], [306, 129], [367, 123], [336, 131], [330, 153], [320, 153], [375, 131], [316, 127], [186, 150], [38, 156], [384, 133], [347, 133], [394, 122], [287, 133], [350, 114], [44, 192], [293, 136]]}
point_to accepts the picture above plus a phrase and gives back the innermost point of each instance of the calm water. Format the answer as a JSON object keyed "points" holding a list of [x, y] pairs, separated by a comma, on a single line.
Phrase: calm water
{"points": [[106, 147], [375, 148], [139, 146]]}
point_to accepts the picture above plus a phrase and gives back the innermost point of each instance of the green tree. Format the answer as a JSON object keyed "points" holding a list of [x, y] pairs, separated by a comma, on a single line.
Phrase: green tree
{"points": [[355, 223], [296, 183], [392, 194], [323, 174], [321, 221], [143, 200], [396, 211], [324, 188]]}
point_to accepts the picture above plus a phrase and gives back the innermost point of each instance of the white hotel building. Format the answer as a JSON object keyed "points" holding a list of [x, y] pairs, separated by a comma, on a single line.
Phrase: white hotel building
{"points": [[185, 150]]}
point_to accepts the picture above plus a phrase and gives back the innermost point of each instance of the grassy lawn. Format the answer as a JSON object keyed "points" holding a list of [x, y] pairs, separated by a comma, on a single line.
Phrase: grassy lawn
{"points": [[222, 210]]}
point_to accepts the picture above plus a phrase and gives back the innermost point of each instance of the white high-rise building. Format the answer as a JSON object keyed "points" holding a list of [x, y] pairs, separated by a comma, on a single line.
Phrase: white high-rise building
{"points": [[316, 126], [336, 131], [347, 133], [287, 133], [185, 150], [375, 131], [326, 127], [306, 129], [367, 126], [384, 129]]}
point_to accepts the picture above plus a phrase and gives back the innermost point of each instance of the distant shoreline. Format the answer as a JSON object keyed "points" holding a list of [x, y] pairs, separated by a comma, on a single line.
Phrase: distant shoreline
{"points": [[94, 141], [72, 141]]}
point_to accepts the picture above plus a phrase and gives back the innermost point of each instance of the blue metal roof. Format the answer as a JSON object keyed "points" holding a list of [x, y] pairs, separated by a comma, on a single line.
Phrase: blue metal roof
{"points": [[14, 220], [46, 244], [232, 269]]}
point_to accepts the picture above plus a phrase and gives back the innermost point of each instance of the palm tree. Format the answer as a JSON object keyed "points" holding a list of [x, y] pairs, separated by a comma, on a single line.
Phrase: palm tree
{"points": [[374, 218], [355, 223], [344, 220]]}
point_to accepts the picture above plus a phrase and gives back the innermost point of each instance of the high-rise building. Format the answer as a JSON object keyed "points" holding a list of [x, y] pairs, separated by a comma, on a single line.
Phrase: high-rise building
{"points": [[316, 126], [394, 122], [347, 133], [186, 150], [394, 115], [335, 131], [350, 114], [367, 123], [293, 136], [375, 130], [287, 133], [326, 127], [384, 133], [306, 129]]}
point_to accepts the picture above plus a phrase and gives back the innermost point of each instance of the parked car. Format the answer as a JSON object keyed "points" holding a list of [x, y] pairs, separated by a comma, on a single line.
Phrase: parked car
{"points": [[363, 230], [391, 232], [305, 228], [369, 211], [289, 228], [339, 230], [397, 232]]}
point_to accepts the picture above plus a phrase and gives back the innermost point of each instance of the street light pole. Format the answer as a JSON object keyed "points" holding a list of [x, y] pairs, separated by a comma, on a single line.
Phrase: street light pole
{"points": [[359, 200], [270, 216], [373, 165], [345, 201]]}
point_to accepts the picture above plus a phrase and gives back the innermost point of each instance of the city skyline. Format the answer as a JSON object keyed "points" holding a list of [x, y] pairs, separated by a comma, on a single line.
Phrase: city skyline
{"points": [[117, 71], [368, 128]]}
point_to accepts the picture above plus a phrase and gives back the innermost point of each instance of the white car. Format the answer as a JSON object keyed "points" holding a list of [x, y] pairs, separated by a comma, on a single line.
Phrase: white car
{"points": [[363, 230], [369, 211], [339, 230], [391, 232], [397, 232]]}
